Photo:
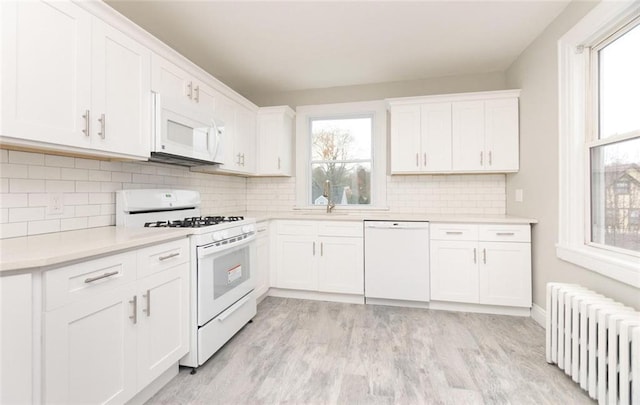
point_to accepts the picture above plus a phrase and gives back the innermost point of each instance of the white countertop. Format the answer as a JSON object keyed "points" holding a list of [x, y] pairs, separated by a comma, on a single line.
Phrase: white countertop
{"points": [[56, 248], [388, 216]]}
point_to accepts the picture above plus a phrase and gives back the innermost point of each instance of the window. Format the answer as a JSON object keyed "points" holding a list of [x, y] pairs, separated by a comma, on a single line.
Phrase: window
{"points": [[599, 99], [346, 144], [341, 160]]}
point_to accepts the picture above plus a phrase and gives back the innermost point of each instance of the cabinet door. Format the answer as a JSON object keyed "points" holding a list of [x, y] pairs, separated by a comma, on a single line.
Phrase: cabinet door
{"points": [[436, 137], [269, 141], [296, 262], [454, 271], [502, 135], [46, 59], [468, 136], [121, 92], [16, 339], [90, 350], [246, 139], [505, 273], [204, 98], [263, 256], [163, 330], [173, 84], [226, 112], [341, 266], [405, 139]]}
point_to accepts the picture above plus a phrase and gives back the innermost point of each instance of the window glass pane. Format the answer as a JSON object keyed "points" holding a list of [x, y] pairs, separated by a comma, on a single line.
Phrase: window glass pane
{"points": [[350, 183], [619, 87], [615, 194], [341, 139]]}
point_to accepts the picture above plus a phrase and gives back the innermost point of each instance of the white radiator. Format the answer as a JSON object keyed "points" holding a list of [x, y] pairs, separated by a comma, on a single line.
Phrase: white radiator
{"points": [[596, 341]]}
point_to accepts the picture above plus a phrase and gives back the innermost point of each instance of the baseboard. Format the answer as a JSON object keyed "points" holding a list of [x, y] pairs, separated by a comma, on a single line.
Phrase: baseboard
{"points": [[479, 308], [396, 303], [317, 296], [539, 315]]}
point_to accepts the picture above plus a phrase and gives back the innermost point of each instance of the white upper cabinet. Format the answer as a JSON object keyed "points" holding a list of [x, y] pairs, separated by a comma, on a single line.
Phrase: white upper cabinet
{"points": [[121, 93], [180, 92], [275, 141], [460, 133], [72, 83], [46, 58]]}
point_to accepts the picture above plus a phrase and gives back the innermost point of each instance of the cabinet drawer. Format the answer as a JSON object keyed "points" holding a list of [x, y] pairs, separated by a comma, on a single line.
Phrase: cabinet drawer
{"points": [[454, 231], [297, 228], [156, 258], [84, 280], [504, 233], [340, 228]]}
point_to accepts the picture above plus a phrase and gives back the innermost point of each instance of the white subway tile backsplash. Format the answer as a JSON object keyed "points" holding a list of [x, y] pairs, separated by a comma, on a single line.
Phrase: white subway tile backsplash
{"points": [[87, 210], [102, 198], [4, 156], [26, 186], [26, 158], [74, 174], [11, 170], [60, 186], [44, 172], [38, 199], [26, 214], [8, 200], [4, 215], [121, 177], [99, 175], [13, 230], [4, 185], [48, 226], [81, 163], [102, 220], [87, 186], [69, 224], [58, 161], [76, 198], [111, 166]]}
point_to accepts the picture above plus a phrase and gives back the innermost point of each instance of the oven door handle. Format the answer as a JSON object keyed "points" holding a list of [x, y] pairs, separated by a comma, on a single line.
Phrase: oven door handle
{"points": [[210, 250], [233, 308]]}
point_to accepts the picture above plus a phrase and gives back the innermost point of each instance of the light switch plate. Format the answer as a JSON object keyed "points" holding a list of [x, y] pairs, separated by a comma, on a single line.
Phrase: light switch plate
{"points": [[56, 205]]}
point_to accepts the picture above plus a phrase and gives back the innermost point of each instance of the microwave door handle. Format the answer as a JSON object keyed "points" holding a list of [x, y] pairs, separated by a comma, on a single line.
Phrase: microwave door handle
{"points": [[214, 143], [157, 122]]}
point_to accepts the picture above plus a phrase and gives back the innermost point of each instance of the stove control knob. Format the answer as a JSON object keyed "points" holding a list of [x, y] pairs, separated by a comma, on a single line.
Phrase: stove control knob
{"points": [[217, 236], [248, 229]]}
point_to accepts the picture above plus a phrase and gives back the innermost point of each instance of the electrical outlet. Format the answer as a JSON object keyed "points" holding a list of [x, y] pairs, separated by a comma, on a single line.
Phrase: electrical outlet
{"points": [[519, 195], [56, 205]]}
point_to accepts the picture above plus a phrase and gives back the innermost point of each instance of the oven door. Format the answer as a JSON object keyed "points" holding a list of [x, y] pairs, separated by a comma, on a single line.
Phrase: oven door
{"points": [[225, 275]]}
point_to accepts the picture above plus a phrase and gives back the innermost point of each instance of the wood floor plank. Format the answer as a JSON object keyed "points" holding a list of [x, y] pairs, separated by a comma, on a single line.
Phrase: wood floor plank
{"points": [[313, 352]]}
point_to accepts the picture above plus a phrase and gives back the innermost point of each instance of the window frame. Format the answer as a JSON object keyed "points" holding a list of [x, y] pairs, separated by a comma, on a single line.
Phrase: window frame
{"points": [[577, 98], [378, 113]]}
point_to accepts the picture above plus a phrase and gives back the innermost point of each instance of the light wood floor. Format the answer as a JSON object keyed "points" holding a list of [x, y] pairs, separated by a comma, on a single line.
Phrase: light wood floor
{"points": [[311, 352]]}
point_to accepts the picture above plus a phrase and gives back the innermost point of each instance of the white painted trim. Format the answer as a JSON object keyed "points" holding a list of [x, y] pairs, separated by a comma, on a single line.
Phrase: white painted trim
{"points": [[573, 218], [479, 308], [539, 315], [316, 296], [396, 303], [438, 98]]}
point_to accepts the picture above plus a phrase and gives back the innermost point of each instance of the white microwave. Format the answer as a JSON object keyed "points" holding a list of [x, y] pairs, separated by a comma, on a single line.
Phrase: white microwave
{"points": [[185, 140]]}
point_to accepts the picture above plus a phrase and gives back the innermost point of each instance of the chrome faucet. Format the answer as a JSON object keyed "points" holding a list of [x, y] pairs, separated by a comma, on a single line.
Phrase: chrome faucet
{"points": [[327, 195]]}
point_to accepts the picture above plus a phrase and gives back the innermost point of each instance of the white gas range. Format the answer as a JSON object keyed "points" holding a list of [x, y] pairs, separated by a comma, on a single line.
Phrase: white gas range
{"points": [[222, 253]]}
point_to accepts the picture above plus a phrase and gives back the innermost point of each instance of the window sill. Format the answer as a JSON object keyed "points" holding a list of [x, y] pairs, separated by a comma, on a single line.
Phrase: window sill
{"points": [[620, 267]]}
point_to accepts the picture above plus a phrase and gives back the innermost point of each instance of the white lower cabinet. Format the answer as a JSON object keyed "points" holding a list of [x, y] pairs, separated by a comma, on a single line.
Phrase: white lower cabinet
{"points": [[105, 339], [263, 259], [481, 264], [324, 256]]}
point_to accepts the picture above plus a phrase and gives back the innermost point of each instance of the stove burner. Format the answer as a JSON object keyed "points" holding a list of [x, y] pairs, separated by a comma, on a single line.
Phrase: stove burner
{"points": [[192, 222]]}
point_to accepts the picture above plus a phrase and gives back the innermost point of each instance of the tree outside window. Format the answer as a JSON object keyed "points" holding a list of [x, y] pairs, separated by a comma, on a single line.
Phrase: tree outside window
{"points": [[341, 153]]}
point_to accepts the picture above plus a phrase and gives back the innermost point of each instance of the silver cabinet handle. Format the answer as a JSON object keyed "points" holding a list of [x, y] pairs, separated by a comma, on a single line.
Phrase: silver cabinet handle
{"points": [[417, 159], [481, 159], [190, 92], [105, 275], [87, 122], [475, 256], [134, 317], [262, 230], [102, 122], [278, 163], [321, 248], [239, 161], [148, 297], [314, 248], [169, 256], [484, 256], [197, 95], [454, 232], [424, 159], [243, 160], [505, 233], [490, 158]]}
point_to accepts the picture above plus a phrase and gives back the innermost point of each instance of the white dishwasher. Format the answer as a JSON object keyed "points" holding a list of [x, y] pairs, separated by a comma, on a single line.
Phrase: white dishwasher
{"points": [[396, 260]]}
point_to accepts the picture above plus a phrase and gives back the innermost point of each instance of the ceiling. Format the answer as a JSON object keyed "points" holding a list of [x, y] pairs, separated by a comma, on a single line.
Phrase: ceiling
{"points": [[262, 47]]}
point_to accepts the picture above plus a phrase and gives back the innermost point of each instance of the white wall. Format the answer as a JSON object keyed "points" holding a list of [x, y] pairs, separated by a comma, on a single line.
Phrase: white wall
{"points": [[536, 73], [27, 181]]}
